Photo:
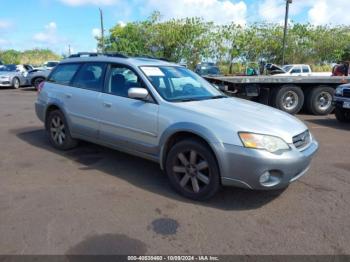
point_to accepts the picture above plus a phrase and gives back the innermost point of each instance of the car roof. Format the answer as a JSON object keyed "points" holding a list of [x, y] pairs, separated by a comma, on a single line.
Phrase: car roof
{"points": [[132, 61]]}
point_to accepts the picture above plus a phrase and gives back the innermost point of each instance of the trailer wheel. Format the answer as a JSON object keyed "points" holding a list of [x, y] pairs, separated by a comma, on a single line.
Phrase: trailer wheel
{"points": [[288, 98], [319, 100]]}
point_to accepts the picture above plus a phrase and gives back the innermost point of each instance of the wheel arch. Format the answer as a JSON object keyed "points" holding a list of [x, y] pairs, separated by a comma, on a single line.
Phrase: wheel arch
{"points": [[35, 78], [184, 131], [52, 107]]}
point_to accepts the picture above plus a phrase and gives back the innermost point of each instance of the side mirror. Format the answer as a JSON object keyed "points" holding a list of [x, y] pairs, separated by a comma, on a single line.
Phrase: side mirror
{"points": [[138, 93]]}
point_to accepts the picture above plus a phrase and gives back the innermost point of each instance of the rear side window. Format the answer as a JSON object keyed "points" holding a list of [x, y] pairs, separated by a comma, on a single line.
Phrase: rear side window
{"points": [[306, 69], [90, 76], [64, 73]]}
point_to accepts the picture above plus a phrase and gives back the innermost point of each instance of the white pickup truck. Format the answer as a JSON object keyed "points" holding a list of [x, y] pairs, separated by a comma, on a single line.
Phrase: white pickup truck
{"points": [[300, 70]]}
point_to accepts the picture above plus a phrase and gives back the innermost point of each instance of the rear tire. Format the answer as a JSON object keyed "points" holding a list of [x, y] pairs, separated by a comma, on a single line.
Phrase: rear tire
{"points": [[319, 100], [58, 131], [342, 115], [288, 98], [192, 170]]}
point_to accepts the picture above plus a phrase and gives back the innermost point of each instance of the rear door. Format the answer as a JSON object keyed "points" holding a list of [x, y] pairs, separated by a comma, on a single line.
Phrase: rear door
{"points": [[80, 88], [127, 122]]}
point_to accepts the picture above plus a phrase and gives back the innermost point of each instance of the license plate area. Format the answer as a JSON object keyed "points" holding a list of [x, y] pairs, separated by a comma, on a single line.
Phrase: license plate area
{"points": [[346, 105]]}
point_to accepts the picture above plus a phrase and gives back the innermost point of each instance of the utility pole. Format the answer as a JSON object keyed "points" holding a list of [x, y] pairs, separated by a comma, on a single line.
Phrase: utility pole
{"points": [[285, 30], [69, 51], [102, 32]]}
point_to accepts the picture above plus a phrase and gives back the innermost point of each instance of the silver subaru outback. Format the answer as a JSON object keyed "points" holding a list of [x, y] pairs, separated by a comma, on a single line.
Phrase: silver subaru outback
{"points": [[161, 111]]}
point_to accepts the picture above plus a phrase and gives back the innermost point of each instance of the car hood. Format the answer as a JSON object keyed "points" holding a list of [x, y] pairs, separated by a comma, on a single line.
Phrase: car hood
{"points": [[7, 73], [243, 115]]}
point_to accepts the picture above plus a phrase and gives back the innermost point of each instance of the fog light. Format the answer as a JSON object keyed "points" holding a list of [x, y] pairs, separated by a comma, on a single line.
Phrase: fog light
{"points": [[270, 178], [264, 178]]}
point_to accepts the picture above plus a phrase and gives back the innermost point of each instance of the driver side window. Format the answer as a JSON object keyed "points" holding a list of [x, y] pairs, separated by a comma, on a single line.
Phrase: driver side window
{"points": [[121, 79]]}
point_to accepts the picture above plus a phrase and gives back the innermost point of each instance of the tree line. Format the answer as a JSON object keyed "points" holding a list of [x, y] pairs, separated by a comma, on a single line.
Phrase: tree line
{"points": [[193, 40], [35, 56]]}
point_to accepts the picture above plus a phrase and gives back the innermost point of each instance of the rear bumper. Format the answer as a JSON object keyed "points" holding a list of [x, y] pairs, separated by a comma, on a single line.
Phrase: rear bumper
{"points": [[243, 167], [40, 109]]}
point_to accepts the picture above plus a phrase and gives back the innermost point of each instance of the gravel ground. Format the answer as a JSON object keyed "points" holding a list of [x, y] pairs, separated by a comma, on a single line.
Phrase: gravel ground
{"points": [[94, 200]]}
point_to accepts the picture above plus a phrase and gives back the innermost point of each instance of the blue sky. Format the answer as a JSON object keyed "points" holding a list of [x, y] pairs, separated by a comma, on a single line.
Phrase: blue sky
{"points": [[55, 24]]}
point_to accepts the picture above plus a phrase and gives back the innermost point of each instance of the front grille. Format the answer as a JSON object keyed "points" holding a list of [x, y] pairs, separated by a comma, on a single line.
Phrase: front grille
{"points": [[346, 92], [302, 140]]}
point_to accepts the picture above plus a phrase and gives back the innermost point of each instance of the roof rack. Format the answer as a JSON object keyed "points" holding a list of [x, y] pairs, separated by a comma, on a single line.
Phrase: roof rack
{"points": [[91, 54], [155, 58]]}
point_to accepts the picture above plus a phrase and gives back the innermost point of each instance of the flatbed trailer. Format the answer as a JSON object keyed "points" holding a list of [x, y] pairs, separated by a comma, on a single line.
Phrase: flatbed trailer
{"points": [[288, 93]]}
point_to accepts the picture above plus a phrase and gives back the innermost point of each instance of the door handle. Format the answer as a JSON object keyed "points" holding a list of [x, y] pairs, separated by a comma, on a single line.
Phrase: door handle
{"points": [[68, 95], [108, 105]]}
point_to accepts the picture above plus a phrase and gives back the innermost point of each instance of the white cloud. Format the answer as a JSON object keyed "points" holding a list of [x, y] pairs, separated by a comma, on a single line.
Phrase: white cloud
{"points": [[4, 42], [89, 2], [329, 12], [4, 24], [49, 36], [271, 10], [96, 32], [219, 11], [121, 23], [318, 12]]}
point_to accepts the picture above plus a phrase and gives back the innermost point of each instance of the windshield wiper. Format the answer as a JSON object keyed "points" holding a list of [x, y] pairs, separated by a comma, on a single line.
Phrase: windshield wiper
{"points": [[218, 97], [185, 100]]}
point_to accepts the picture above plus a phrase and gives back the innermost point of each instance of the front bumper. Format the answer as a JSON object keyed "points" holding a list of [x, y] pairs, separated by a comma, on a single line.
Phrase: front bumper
{"points": [[243, 167], [5, 83], [339, 101]]}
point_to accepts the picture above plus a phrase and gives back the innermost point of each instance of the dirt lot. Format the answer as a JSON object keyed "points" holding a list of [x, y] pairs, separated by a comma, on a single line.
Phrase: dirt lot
{"points": [[93, 200]]}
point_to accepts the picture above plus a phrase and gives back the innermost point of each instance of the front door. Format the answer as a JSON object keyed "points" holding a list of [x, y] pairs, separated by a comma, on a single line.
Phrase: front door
{"points": [[127, 122]]}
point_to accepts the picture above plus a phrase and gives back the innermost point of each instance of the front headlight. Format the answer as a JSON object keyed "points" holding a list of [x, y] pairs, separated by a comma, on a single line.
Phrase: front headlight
{"points": [[4, 77], [265, 142], [339, 91]]}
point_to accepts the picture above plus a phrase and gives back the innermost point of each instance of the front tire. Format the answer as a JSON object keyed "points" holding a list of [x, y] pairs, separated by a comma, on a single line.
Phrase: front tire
{"points": [[37, 81], [192, 170], [342, 115], [16, 83], [58, 131]]}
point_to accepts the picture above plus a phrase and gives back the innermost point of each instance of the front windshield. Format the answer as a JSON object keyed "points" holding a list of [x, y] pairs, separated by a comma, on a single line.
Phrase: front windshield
{"points": [[8, 68], [180, 84]]}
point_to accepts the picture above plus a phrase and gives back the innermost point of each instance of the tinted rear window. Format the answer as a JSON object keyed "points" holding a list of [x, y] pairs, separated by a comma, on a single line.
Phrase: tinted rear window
{"points": [[90, 76], [64, 73]]}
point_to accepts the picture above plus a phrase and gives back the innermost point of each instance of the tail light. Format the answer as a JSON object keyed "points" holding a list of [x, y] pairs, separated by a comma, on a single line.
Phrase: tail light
{"points": [[40, 86]]}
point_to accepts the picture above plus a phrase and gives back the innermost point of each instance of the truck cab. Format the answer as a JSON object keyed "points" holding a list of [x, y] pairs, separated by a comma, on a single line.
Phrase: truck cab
{"points": [[297, 70]]}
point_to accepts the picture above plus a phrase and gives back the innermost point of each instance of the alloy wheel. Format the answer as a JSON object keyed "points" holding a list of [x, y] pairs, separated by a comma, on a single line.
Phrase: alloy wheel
{"points": [[290, 100], [324, 101], [57, 130], [192, 171]]}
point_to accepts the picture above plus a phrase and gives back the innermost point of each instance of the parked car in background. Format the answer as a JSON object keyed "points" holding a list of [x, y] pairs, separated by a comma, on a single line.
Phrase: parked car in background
{"points": [[36, 76], [166, 113], [207, 69], [342, 103], [300, 70], [1, 63], [24, 69], [50, 64], [12, 76]]}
